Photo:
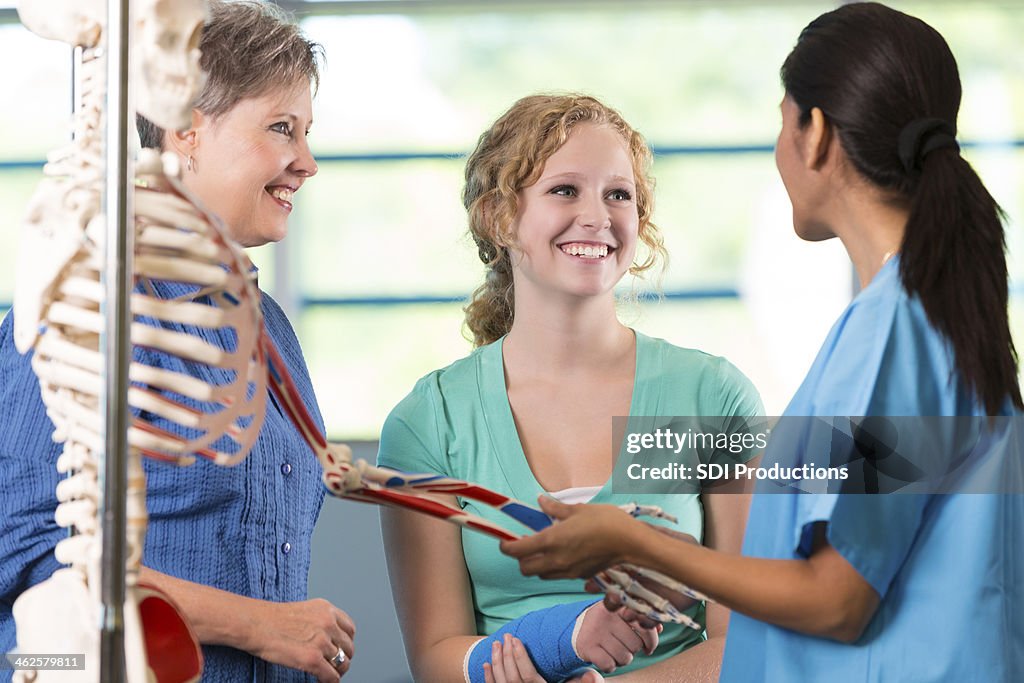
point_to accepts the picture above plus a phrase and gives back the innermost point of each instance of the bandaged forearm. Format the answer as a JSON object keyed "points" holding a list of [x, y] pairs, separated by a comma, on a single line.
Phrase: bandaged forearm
{"points": [[547, 635]]}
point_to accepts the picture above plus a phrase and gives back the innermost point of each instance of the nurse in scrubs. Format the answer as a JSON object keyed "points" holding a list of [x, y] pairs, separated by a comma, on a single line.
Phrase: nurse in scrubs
{"points": [[894, 587]]}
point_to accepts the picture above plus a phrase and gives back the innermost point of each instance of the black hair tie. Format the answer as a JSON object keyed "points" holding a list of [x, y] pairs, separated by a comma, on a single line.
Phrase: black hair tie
{"points": [[920, 137]]}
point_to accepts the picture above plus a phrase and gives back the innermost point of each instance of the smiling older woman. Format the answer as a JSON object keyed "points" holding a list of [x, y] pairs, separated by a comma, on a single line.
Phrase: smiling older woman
{"points": [[230, 545]]}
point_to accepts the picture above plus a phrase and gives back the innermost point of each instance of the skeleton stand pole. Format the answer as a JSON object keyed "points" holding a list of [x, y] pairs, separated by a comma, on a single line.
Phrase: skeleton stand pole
{"points": [[117, 343]]}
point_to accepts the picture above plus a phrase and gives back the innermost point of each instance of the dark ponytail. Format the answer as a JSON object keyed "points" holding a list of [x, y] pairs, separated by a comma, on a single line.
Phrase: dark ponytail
{"points": [[877, 75], [954, 260]]}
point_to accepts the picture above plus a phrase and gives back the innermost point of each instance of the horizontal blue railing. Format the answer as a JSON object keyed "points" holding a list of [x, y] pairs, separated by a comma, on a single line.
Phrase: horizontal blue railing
{"points": [[387, 157], [699, 294], [311, 301], [674, 295], [659, 150]]}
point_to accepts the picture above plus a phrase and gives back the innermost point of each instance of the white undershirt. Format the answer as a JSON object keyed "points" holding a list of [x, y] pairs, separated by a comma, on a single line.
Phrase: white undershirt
{"points": [[577, 494]]}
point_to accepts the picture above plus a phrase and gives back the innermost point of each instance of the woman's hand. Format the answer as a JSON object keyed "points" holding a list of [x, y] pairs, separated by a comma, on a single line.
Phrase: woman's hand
{"points": [[608, 641], [585, 540], [303, 635], [510, 663], [613, 604], [300, 635]]}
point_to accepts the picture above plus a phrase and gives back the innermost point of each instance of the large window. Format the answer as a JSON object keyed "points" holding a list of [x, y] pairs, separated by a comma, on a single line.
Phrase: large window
{"points": [[378, 251]]}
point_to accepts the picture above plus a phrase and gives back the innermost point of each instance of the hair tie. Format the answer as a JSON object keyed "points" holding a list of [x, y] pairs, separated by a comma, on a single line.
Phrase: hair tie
{"points": [[920, 137]]}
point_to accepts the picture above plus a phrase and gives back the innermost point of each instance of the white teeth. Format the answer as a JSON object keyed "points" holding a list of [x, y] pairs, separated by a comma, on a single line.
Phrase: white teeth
{"points": [[591, 251], [285, 195]]}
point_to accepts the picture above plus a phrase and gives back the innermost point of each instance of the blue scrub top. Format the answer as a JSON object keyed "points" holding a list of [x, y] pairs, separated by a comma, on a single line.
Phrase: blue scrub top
{"points": [[949, 568]]}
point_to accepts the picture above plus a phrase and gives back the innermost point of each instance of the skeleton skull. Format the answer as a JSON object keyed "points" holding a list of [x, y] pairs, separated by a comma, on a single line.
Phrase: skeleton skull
{"points": [[76, 22], [166, 39], [167, 73]]}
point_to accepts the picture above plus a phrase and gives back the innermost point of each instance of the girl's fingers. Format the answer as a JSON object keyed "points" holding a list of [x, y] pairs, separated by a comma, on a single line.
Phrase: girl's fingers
{"points": [[602, 660], [648, 636], [497, 665], [508, 661], [524, 665], [611, 602], [619, 653]]}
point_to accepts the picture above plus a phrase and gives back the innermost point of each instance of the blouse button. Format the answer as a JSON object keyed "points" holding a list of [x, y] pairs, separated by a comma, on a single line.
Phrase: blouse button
{"points": [[286, 547], [286, 469]]}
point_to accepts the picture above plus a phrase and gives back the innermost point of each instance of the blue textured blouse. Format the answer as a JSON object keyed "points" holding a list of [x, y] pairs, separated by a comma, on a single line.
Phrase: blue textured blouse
{"points": [[244, 529]]}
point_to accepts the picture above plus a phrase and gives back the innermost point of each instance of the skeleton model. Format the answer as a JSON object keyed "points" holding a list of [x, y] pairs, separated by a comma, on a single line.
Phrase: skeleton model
{"points": [[58, 302]]}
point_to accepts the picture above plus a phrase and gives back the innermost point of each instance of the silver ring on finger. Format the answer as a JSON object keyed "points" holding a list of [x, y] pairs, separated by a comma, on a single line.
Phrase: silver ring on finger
{"points": [[338, 659]]}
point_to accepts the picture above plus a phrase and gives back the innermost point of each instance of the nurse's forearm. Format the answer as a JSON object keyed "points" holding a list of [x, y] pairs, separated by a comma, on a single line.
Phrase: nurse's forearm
{"points": [[821, 596]]}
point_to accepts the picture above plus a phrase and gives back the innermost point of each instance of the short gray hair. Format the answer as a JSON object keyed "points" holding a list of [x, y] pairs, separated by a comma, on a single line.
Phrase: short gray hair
{"points": [[249, 48]]}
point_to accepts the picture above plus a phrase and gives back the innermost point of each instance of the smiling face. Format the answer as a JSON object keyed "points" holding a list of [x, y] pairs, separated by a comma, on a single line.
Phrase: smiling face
{"points": [[576, 228], [249, 162]]}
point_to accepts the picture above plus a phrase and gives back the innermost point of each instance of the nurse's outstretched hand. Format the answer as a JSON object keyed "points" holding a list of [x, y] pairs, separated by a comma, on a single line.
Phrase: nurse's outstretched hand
{"points": [[584, 540]]}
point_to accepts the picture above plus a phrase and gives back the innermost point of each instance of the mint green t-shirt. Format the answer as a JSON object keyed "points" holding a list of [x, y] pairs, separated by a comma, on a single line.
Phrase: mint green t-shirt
{"points": [[457, 422]]}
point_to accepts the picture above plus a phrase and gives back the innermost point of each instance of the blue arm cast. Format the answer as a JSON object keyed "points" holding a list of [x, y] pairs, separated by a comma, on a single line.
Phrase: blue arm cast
{"points": [[547, 635]]}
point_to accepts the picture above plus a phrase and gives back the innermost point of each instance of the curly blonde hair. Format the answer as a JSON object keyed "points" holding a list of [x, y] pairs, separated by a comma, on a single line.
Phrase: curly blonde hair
{"points": [[511, 155]]}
